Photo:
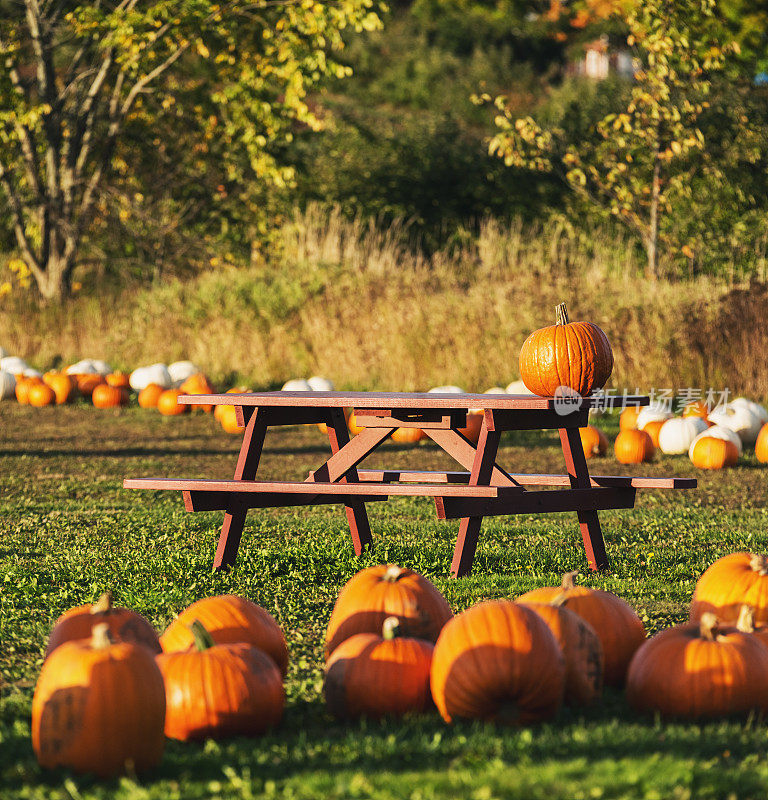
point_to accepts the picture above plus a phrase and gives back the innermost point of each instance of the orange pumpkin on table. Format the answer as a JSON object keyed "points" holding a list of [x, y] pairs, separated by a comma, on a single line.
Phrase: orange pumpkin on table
{"points": [[106, 396], [373, 675], [216, 690], [168, 405], [576, 355], [99, 707], [633, 447], [594, 441]]}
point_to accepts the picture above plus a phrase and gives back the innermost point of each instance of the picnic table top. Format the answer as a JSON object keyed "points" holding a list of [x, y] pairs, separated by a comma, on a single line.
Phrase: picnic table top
{"points": [[408, 400]]}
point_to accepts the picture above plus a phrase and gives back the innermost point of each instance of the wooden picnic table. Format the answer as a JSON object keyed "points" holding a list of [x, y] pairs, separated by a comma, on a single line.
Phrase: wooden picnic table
{"points": [[483, 488]]}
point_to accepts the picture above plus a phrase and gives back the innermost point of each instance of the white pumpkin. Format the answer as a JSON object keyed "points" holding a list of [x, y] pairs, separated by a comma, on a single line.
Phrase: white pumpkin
{"points": [[181, 370], [13, 364], [296, 385], [156, 373], [518, 387], [495, 390], [677, 434], [84, 367], [101, 367], [755, 408], [7, 385], [320, 384], [719, 432], [655, 412], [446, 390], [739, 419], [29, 372]]}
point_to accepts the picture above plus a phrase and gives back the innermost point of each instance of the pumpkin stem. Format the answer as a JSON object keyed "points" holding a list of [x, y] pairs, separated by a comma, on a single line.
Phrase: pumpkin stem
{"points": [[393, 573], [103, 605], [746, 621], [759, 564], [561, 314], [708, 626], [101, 637], [569, 580], [203, 639], [391, 628]]}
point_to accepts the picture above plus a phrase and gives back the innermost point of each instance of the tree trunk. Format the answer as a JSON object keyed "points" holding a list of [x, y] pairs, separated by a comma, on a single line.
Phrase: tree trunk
{"points": [[652, 240]]}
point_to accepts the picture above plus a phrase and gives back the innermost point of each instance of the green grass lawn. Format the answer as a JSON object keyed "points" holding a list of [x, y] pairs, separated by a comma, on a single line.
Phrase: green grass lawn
{"points": [[69, 531]]}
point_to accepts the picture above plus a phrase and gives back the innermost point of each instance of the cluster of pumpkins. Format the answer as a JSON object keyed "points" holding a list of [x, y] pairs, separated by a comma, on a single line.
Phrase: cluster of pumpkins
{"points": [[712, 439], [111, 690]]}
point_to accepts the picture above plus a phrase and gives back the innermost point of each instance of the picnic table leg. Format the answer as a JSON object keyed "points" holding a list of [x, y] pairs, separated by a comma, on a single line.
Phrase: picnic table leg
{"points": [[469, 528], [589, 523], [247, 464], [357, 516]]}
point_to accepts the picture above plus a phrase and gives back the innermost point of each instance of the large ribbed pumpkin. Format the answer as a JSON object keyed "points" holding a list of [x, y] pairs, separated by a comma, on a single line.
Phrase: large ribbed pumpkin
{"points": [[497, 661], [229, 618], [730, 582], [573, 354], [375, 593], [374, 675], [584, 658], [615, 622], [124, 625], [99, 707], [217, 690], [40, 394], [699, 671]]}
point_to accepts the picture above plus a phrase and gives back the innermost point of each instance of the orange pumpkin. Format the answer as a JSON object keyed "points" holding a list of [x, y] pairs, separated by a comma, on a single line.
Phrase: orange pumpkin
{"points": [[99, 707], [653, 429], [615, 622], [374, 675], [217, 412], [217, 690], [198, 384], [149, 395], [87, 383], [594, 441], [106, 396], [354, 428], [22, 389], [583, 653], [699, 671], [229, 619], [168, 405], [62, 384], [573, 354], [124, 625], [407, 435], [761, 445], [323, 428], [633, 447], [628, 418], [696, 408], [121, 380], [375, 593], [228, 419], [474, 424], [497, 661], [39, 394], [729, 583], [714, 453]]}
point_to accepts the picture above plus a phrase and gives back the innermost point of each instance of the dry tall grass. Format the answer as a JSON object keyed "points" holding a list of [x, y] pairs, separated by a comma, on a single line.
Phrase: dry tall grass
{"points": [[351, 302]]}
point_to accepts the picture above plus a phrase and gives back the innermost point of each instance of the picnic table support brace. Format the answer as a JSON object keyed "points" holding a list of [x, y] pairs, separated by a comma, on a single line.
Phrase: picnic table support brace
{"points": [[589, 522], [247, 464], [482, 469]]}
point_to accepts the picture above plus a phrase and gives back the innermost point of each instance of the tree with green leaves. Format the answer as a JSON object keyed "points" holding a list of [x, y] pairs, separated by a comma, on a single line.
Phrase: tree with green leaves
{"points": [[78, 75], [637, 162]]}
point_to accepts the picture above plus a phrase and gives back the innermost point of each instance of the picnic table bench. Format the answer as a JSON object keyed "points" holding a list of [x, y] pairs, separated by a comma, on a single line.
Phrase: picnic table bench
{"points": [[482, 489]]}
